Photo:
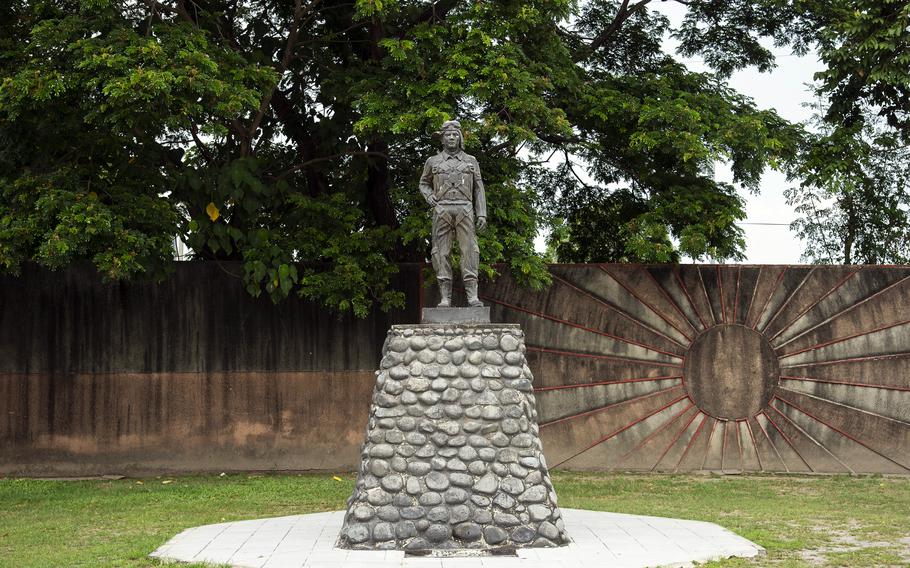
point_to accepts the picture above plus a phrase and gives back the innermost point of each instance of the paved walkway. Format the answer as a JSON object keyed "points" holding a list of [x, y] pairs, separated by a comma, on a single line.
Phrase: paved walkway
{"points": [[599, 539]]}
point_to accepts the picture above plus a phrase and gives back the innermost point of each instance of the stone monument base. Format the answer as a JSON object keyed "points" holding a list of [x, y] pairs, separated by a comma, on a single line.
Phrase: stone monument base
{"points": [[480, 314], [452, 457]]}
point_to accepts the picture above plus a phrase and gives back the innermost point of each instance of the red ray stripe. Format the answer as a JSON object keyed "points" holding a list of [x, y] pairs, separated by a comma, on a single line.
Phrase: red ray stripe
{"points": [[826, 381], [623, 429], [790, 297], [604, 357], [691, 441], [601, 383], [617, 311], [848, 360], [650, 436], [817, 302], [808, 435], [836, 429], [579, 326], [739, 274], [672, 303], [771, 442], [786, 439], [839, 340], [688, 297], [770, 295], [720, 289], [676, 439], [649, 306], [761, 467], [708, 449], [752, 297], [704, 290], [844, 311], [606, 408]]}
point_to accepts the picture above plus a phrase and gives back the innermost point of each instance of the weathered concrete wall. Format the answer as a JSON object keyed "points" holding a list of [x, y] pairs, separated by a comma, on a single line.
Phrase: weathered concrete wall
{"points": [[667, 368]]}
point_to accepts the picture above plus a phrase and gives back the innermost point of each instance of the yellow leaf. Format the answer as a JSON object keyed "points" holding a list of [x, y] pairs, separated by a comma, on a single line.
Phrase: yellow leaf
{"points": [[336, 478], [167, 481], [212, 211]]}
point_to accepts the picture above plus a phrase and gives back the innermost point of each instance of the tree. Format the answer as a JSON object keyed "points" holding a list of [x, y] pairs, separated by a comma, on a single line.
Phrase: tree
{"points": [[289, 134], [853, 194]]}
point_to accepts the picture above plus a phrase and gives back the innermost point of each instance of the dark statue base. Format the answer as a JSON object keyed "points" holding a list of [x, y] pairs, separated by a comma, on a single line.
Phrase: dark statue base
{"points": [[480, 314]]}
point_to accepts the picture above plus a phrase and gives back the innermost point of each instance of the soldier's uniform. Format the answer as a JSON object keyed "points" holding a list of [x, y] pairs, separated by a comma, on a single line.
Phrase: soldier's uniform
{"points": [[451, 182]]}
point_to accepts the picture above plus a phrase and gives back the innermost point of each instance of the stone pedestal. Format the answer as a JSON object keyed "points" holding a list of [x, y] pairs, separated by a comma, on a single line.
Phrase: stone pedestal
{"points": [[452, 457]]}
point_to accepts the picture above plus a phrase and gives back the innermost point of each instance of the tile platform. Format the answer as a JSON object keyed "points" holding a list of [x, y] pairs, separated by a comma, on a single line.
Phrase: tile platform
{"points": [[599, 539]]}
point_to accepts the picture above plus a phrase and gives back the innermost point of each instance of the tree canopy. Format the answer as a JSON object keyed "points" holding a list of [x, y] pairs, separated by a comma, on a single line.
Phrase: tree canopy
{"points": [[290, 134]]}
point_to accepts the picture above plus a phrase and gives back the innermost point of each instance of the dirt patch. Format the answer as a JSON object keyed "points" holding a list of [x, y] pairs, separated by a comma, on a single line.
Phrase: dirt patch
{"points": [[842, 540]]}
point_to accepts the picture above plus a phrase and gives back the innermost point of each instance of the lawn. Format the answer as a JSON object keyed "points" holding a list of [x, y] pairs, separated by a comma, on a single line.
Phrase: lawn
{"points": [[801, 521]]}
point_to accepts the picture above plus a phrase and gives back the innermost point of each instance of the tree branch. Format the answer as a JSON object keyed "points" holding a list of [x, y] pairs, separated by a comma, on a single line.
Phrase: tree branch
{"points": [[179, 10], [308, 163], [623, 14], [293, 34]]}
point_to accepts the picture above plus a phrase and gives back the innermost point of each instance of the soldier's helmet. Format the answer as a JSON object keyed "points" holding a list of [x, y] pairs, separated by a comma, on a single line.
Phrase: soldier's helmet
{"points": [[452, 125]]}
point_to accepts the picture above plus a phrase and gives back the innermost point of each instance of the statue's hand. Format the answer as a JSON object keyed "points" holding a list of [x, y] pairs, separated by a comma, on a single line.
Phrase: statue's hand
{"points": [[481, 224]]}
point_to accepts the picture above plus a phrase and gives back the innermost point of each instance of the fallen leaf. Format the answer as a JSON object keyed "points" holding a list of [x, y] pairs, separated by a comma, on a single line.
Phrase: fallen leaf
{"points": [[212, 211]]}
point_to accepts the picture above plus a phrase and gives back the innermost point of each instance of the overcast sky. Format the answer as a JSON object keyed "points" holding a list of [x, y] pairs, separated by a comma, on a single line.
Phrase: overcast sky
{"points": [[785, 90]]}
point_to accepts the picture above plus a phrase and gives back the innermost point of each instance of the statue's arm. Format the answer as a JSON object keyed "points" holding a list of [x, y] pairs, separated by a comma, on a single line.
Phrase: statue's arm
{"points": [[480, 197], [426, 183]]}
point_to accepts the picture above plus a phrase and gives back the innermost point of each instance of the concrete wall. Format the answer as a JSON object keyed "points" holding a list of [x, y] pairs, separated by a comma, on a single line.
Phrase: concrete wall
{"points": [[665, 368]]}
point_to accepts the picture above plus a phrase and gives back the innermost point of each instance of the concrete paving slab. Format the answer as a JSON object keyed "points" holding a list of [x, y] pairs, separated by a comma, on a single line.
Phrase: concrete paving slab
{"points": [[598, 539]]}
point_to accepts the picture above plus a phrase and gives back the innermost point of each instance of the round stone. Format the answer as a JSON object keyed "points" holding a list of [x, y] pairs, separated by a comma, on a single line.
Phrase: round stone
{"points": [[438, 463], [539, 513], [461, 384], [427, 426], [401, 500], [536, 494], [499, 439], [499, 469], [481, 501], [510, 372], [477, 467], [399, 373], [492, 412], [412, 512], [508, 455], [514, 358], [494, 535], [454, 495], [416, 438], [504, 501], [393, 388], [408, 397], [522, 441], [454, 344], [509, 426], [490, 342], [362, 513], [392, 483], [417, 384], [398, 464], [475, 357], [482, 516], [486, 454], [493, 358], [438, 532], [377, 496], [412, 486], [439, 384], [512, 485], [429, 499], [388, 513], [489, 372], [458, 357], [431, 371], [378, 467], [426, 356], [523, 385], [453, 411], [418, 543], [357, 533], [505, 519], [467, 531], [398, 344], [417, 343], [382, 451], [447, 452], [730, 372], [523, 534], [434, 413], [461, 479], [435, 342], [473, 412], [467, 454], [418, 468], [548, 530], [469, 372], [394, 437], [458, 441], [473, 342], [508, 342], [437, 481], [449, 371], [456, 464], [405, 529], [438, 514], [510, 396], [443, 357], [406, 450], [459, 513], [429, 397]]}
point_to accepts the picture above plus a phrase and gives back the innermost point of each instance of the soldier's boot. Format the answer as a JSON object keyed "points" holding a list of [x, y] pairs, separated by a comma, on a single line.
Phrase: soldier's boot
{"points": [[445, 293], [470, 288]]}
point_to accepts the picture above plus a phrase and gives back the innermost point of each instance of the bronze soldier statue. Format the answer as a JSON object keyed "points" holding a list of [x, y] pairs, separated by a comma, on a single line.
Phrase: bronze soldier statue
{"points": [[452, 185]]}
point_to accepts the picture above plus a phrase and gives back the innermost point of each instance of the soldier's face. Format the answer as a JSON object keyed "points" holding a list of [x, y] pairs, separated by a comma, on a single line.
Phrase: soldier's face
{"points": [[451, 139]]}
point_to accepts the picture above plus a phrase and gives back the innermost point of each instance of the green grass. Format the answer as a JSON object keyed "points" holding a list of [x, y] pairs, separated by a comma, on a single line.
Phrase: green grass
{"points": [[801, 521]]}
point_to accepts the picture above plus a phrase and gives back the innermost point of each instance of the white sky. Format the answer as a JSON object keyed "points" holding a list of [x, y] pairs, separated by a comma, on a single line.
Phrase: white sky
{"points": [[785, 90]]}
